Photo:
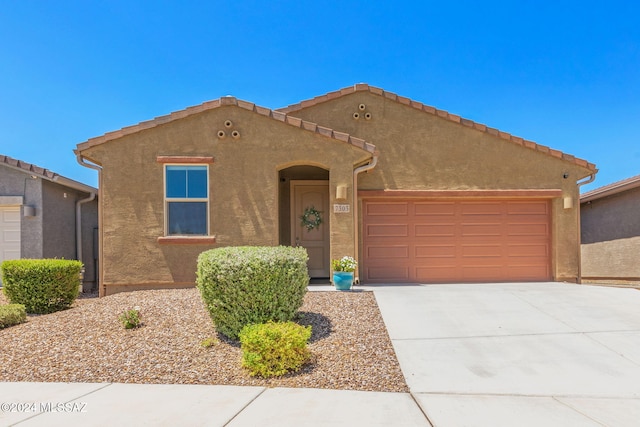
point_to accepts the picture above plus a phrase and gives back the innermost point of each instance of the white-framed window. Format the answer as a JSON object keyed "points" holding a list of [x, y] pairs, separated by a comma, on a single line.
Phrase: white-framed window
{"points": [[186, 194]]}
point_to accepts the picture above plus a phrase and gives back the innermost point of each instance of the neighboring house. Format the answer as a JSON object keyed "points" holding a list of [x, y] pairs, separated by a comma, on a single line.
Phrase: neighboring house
{"points": [[437, 198], [610, 225], [45, 215]]}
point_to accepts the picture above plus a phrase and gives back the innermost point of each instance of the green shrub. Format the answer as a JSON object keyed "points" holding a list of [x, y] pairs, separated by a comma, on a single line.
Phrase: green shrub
{"points": [[245, 285], [42, 285], [130, 318], [12, 314], [273, 349], [209, 342]]}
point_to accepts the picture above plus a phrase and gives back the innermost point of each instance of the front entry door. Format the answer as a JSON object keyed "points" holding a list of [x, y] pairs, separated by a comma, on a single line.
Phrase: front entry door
{"points": [[307, 197]]}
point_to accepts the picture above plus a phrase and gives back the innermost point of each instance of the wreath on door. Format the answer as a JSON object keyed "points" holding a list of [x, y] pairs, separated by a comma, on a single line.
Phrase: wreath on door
{"points": [[311, 218]]}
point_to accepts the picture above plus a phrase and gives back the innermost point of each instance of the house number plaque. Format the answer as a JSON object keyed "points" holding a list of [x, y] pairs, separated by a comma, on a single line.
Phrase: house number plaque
{"points": [[338, 208]]}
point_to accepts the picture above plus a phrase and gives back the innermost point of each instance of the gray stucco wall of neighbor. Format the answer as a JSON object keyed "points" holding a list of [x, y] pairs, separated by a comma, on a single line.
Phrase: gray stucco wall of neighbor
{"points": [[59, 225], [611, 236], [51, 232], [16, 183]]}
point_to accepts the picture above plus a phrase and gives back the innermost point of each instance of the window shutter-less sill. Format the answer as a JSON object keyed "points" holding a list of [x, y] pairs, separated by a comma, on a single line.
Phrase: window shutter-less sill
{"points": [[186, 240]]}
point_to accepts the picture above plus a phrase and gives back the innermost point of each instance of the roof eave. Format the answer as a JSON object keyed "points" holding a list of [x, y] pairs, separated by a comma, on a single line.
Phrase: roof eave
{"points": [[611, 189], [363, 87], [46, 174], [229, 101]]}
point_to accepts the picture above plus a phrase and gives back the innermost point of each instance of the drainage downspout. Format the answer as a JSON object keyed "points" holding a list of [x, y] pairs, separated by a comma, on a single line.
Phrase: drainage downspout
{"points": [[79, 204], [364, 168], [83, 162], [589, 179]]}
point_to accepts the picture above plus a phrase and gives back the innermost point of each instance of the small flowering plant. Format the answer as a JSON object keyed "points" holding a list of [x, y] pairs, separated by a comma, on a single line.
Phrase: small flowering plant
{"points": [[346, 263], [130, 318]]}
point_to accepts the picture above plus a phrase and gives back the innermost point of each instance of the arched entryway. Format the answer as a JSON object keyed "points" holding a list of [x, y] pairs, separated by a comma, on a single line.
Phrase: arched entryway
{"points": [[304, 191]]}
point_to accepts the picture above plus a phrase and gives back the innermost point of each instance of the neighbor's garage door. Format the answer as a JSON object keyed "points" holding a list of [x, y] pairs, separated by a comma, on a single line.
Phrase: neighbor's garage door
{"points": [[9, 233], [439, 241]]}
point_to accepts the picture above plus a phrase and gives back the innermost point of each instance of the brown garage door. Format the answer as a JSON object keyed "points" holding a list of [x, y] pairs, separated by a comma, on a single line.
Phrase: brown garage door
{"points": [[439, 241]]}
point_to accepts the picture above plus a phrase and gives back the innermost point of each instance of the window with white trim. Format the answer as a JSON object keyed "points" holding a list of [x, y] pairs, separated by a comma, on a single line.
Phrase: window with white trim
{"points": [[187, 200]]}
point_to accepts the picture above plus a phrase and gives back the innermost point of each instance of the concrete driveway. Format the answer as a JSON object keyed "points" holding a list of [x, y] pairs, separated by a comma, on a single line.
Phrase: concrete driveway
{"points": [[538, 354]]}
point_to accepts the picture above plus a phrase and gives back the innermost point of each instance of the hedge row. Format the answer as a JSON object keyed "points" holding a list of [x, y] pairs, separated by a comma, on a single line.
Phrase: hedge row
{"points": [[41, 285]]}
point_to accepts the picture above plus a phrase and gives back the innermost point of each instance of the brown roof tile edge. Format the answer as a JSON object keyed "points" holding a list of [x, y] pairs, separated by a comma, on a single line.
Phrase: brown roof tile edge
{"points": [[363, 87], [45, 173], [611, 189], [28, 167], [232, 101]]}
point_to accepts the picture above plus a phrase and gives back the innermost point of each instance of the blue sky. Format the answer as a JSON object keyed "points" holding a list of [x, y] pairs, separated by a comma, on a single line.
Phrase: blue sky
{"points": [[565, 74]]}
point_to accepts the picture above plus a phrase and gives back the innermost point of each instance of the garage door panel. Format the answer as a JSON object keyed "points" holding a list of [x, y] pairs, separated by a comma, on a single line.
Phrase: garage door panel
{"points": [[385, 252], [528, 230], [11, 216], [389, 209], [528, 208], [491, 251], [482, 219], [390, 274], [472, 208], [438, 262], [540, 250], [435, 251], [435, 209], [11, 236], [10, 223], [481, 229], [433, 274], [527, 220], [482, 273], [456, 240], [388, 230], [435, 230]]}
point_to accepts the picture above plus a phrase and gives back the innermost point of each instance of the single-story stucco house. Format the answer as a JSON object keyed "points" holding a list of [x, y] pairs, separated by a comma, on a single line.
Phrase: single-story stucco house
{"points": [[414, 193], [46, 215], [610, 226]]}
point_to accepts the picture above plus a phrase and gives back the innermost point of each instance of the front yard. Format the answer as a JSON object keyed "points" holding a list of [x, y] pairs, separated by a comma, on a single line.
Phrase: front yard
{"points": [[350, 346]]}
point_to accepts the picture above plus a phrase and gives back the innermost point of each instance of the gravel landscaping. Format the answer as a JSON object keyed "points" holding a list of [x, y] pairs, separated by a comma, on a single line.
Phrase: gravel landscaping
{"points": [[87, 343]]}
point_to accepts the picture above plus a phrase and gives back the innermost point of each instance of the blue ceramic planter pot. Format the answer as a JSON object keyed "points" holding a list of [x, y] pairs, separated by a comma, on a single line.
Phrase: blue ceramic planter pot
{"points": [[343, 280]]}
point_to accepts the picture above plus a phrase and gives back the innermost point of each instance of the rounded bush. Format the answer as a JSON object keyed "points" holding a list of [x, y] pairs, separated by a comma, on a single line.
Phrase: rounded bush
{"points": [[248, 284], [274, 349], [41, 285], [12, 314]]}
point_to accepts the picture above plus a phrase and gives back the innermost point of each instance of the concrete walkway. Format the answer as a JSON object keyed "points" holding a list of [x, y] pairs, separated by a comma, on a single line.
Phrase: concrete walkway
{"points": [[57, 404], [539, 354]]}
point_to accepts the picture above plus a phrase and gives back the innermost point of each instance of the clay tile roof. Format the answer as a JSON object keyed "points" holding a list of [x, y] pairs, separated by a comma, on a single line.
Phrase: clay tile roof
{"points": [[27, 167], [230, 101], [41, 172], [611, 189], [363, 87]]}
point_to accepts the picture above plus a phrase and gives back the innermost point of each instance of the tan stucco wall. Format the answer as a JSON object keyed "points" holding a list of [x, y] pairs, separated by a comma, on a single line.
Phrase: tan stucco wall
{"points": [[421, 151], [243, 191], [615, 259], [611, 236]]}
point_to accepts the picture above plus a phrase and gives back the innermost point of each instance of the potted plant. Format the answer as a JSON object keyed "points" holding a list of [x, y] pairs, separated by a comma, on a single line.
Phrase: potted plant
{"points": [[343, 269]]}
